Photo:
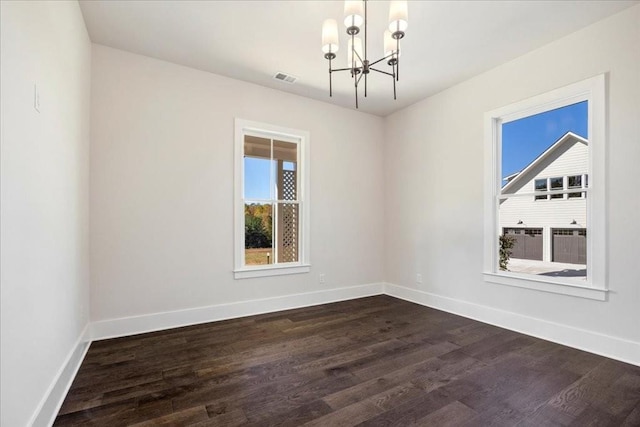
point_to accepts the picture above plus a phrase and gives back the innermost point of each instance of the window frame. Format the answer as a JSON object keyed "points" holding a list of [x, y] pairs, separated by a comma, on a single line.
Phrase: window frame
{"points": [[301, 137], [580, 194], [553, 191], [592, 90], [543, 191]]}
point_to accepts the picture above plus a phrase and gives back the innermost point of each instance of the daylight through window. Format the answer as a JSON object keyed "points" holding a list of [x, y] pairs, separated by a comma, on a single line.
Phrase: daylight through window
{"points": [[270, 228], [544, 218], [542, 156]]}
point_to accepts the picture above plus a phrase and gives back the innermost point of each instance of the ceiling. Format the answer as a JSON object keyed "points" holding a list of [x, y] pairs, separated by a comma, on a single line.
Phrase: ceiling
{"points": [[446, 42]]}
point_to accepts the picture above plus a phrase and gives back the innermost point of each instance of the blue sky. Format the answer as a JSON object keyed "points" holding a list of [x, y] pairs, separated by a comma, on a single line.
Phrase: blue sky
{"points": [[256, 178], [525, 139]]}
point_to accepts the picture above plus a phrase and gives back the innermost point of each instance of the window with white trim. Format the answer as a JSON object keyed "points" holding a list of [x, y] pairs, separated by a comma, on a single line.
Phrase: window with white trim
{"points": [[567, 254], [271, 200], [571, 182]]}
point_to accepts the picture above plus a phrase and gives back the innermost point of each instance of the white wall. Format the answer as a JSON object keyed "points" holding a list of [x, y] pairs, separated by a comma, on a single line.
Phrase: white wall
{"points": [[434, 181], [162, 188], [44, 201]]}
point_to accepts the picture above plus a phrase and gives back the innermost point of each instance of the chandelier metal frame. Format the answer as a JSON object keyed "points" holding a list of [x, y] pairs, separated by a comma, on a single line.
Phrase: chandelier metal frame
{"points": [[360, 65]]}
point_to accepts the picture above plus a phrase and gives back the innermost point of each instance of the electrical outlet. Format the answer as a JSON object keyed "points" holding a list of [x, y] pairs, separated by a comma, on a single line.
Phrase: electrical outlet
{"points": [[321, 278], [418, 278]]}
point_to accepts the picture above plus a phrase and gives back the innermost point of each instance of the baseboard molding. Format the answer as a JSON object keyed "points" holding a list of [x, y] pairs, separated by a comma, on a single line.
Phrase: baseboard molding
{"points": [[113, 328], [604, 345], [48, 408]]}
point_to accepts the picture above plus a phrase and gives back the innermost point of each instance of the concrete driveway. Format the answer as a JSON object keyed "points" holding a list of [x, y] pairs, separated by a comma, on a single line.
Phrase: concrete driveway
{"points": [[543, 268]]}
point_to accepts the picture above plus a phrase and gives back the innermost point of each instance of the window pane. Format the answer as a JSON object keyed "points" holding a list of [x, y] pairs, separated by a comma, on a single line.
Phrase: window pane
{"points": [[539, 154], [556, 184], [258, 241], [524, 140], [286, 151], [574, 181], [547, 240], [541, 185], [288, 232], [257, 168]]}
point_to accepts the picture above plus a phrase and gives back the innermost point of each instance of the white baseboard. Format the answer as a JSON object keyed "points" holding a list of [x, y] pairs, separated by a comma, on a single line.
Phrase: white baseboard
{"points": [[604, 345], [593, 342], [113, 328], [49, 406]]}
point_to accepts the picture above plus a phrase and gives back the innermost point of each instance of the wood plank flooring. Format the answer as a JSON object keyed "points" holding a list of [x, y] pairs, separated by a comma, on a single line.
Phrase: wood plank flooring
{"points": [[373, 362]]}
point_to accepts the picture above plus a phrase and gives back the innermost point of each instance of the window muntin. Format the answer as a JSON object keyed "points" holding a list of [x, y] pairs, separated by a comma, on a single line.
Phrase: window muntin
{"points": [[271, 208], [594, 286]]}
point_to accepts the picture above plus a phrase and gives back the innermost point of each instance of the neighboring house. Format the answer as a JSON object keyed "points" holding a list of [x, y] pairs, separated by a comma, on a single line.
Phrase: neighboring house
{"points": [[549, 226]]}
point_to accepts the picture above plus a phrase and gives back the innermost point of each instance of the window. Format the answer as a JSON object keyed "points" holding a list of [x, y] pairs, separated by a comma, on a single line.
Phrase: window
{"points": [[541, 185], [558, 184], [553, 235], [576, 181], [271, 200]]}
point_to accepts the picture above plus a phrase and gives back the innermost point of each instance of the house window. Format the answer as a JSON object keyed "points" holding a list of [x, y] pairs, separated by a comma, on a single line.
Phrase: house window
{"points": [[541, 185], [271, 200], [559, 184], [556, 184], [545, 148], [577, 181]]}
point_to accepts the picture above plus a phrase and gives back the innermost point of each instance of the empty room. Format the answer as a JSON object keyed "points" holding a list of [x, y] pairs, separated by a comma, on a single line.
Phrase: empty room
{"points": [[322, 213]]}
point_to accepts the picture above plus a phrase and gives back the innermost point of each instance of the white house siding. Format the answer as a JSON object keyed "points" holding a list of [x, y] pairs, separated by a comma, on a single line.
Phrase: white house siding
{"points": [[553, 213]]}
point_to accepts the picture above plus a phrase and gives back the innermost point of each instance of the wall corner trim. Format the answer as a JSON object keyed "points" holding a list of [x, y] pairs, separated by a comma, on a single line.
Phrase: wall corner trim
{"points": [[581, 339], [51, 403], [113, 328]]}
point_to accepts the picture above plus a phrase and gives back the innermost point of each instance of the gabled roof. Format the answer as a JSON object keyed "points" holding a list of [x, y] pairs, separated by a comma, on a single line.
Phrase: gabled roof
{"points": [[550, 154]]}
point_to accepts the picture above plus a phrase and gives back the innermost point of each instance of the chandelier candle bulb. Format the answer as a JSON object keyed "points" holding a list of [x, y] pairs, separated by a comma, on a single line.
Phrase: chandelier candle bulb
{"points": [[330, 36], [398, 18], [390, 44], [353, 13]]}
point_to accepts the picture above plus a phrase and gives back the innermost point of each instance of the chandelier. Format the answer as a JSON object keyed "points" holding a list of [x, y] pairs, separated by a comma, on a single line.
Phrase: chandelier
{"points": [[358, 63]]}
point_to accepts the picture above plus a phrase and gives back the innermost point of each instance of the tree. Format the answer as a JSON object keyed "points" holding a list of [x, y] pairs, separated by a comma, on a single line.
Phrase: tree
{"points": [[255, 235], [506, 244], [257, 225]]}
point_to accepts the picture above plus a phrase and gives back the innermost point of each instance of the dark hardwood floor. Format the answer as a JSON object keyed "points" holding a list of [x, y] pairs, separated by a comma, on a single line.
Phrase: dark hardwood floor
{"points": [[372, 361]]}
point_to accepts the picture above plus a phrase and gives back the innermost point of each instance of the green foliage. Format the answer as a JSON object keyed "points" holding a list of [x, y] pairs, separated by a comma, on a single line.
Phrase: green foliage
{"points": [[506, 244], [258, 226]]}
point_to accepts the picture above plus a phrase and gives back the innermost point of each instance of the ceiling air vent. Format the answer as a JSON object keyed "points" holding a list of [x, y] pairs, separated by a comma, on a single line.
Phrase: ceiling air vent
{"points": [[285, 78]]}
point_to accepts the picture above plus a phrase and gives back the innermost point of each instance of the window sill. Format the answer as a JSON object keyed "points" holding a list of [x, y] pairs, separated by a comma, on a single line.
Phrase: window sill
{"points": [[271, 270], [546, 285]]}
